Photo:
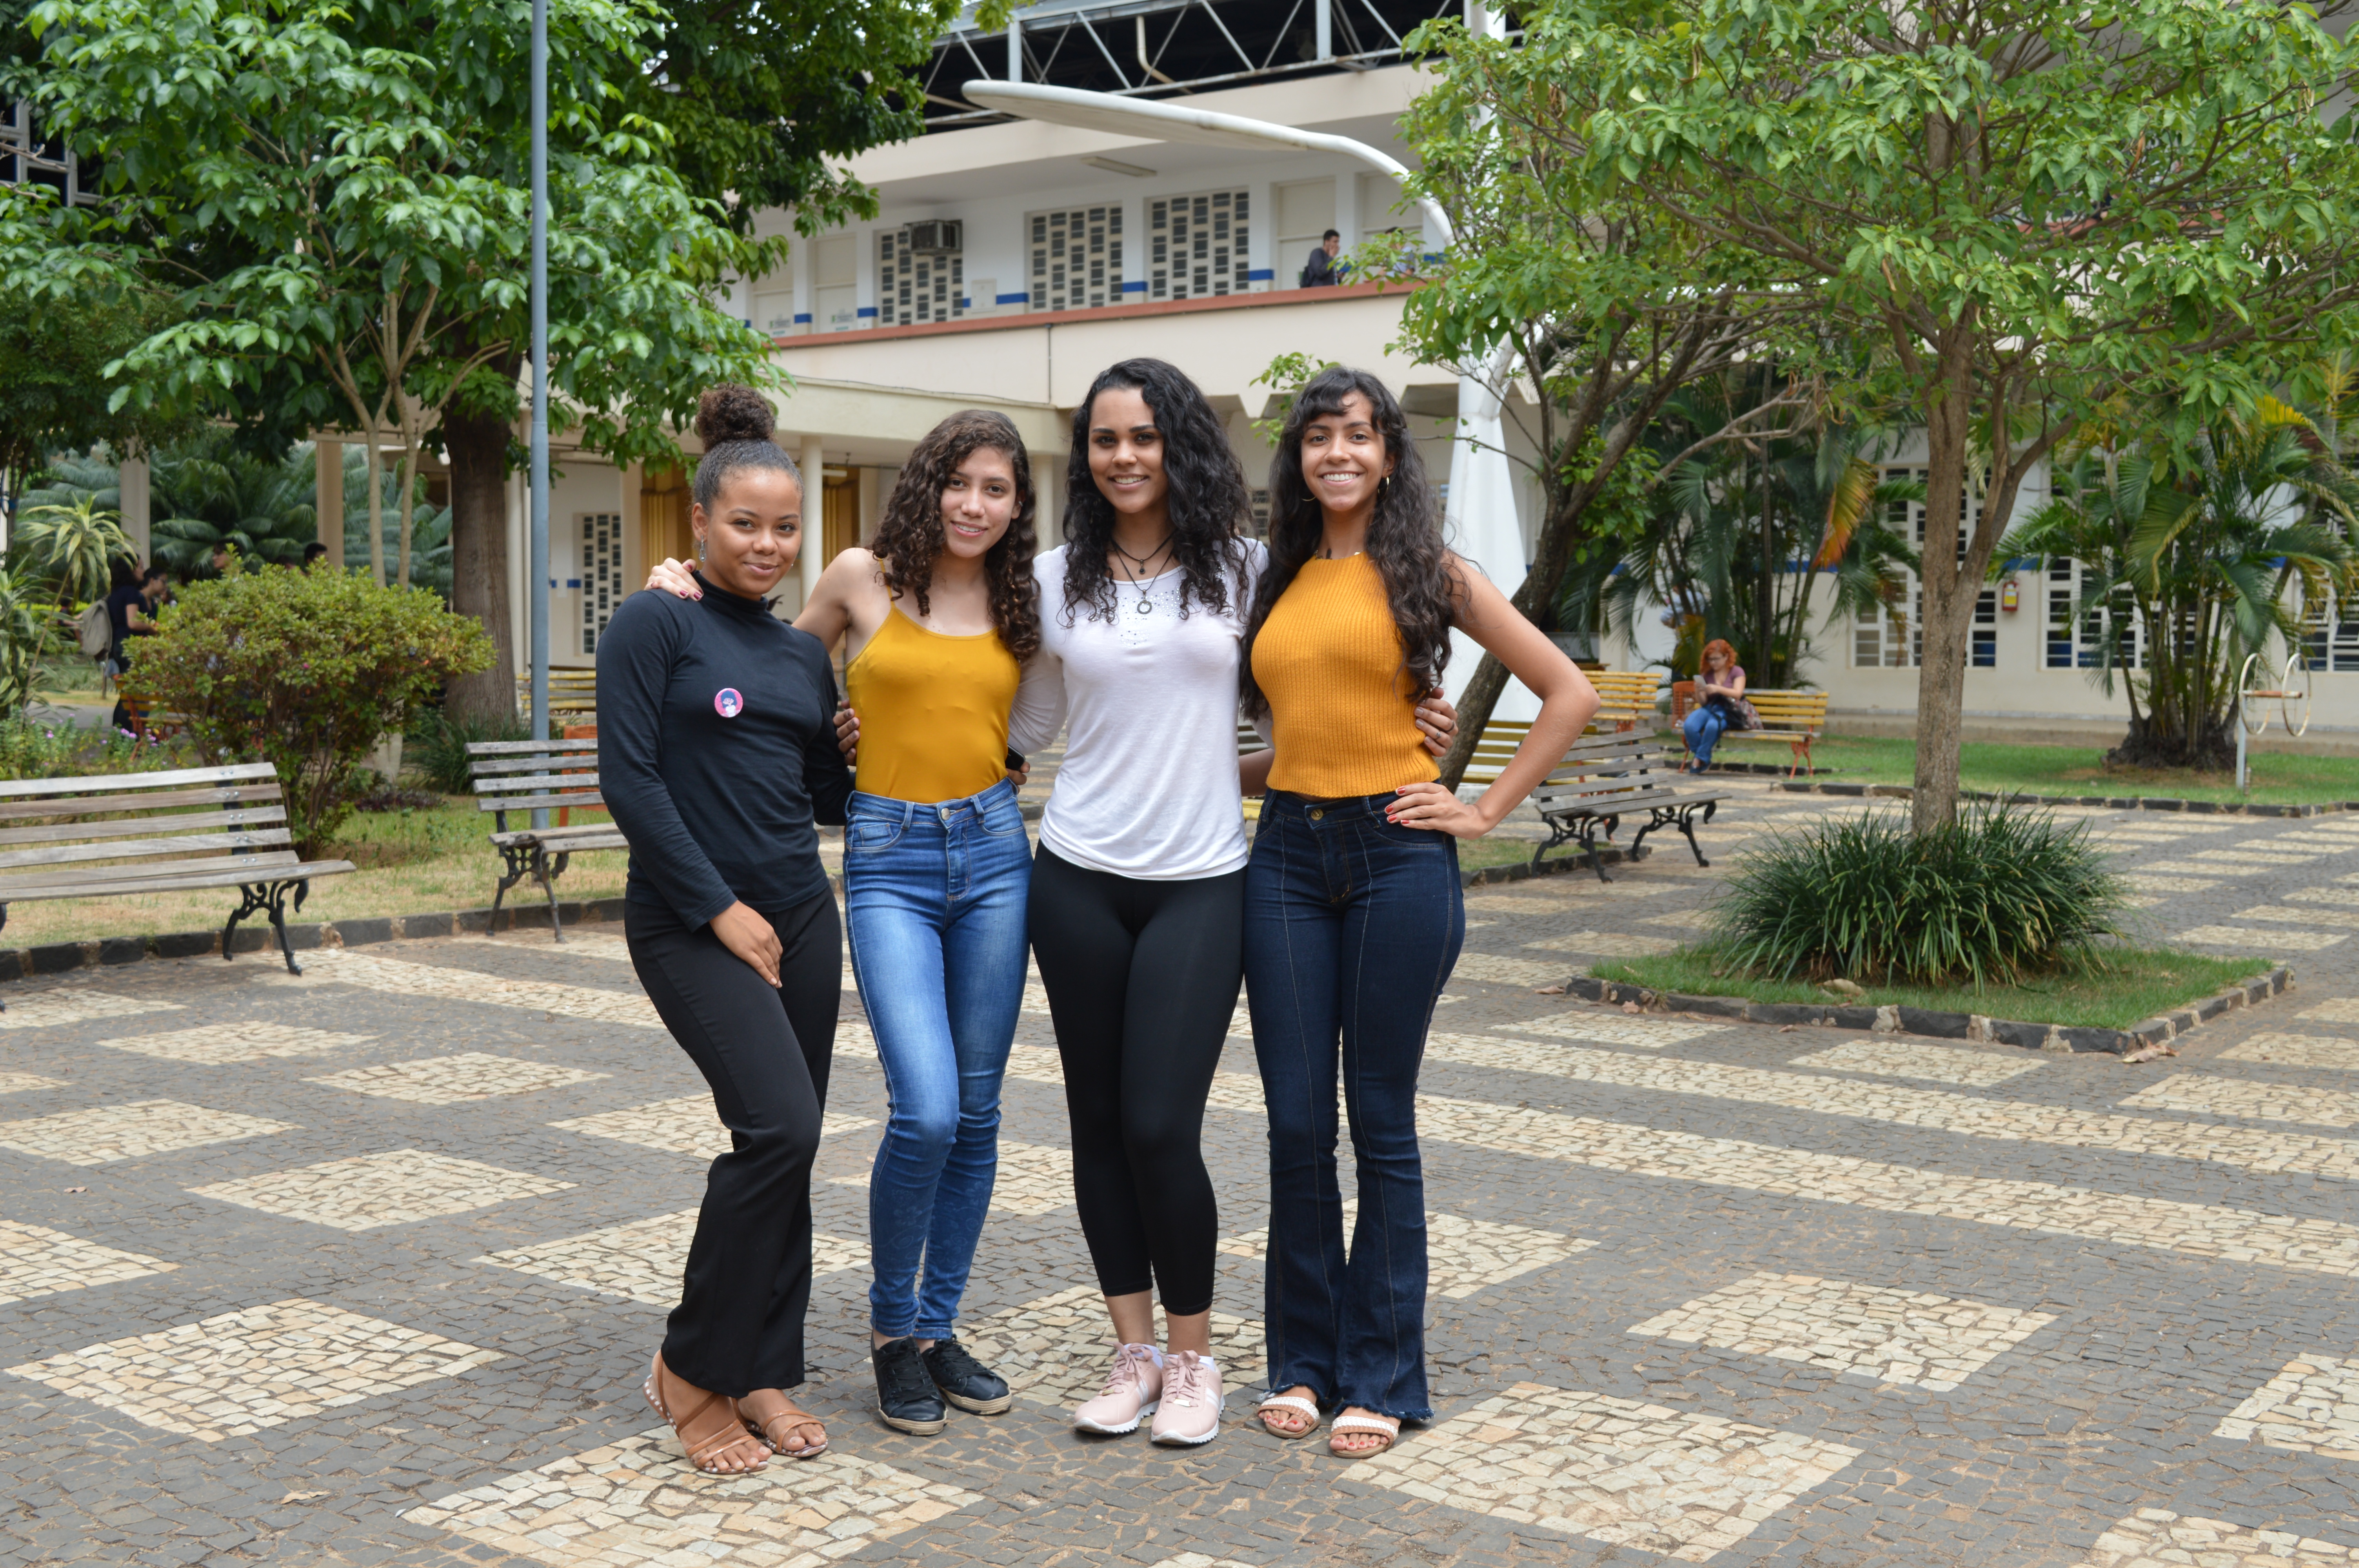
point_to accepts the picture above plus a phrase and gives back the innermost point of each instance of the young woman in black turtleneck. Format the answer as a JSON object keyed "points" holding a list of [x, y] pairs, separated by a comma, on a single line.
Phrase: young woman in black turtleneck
{"points": [[717, 754]]}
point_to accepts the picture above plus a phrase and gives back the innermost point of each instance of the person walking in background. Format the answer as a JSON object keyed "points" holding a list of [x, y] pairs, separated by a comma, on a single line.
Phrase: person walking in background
{"points": [[1320, 271], [937, 618], [1720, 705], [1353, 912], [131, 609], [717, 754]]}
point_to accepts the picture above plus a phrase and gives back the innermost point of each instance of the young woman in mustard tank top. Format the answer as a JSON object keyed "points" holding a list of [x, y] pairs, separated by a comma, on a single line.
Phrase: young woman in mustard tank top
{"points": [[937, 618], [1354, 915]]}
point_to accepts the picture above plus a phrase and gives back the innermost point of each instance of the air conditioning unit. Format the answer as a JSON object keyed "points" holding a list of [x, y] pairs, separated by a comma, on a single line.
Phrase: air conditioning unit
{"points": [[937, 236]]}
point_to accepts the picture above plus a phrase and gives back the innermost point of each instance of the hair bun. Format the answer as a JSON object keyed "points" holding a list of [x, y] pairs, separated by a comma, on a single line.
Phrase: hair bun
{"points": [[732, 412]]}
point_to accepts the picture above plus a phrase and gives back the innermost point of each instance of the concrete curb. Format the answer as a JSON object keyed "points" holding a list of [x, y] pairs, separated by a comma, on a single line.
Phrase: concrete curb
{"points": [[2116, 803], [1613, 855], [2052, 1037]]}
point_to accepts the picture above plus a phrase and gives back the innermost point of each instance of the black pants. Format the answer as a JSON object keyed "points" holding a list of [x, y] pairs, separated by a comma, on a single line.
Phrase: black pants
{"points": [[1142, 979], [739, 1324]]}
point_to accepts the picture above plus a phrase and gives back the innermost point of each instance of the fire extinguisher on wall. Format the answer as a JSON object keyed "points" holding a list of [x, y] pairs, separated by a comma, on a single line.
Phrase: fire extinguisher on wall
{"points": [[2010, 596]]}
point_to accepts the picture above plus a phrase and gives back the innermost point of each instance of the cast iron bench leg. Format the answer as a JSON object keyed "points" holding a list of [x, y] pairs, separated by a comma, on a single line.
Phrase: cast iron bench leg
{"points": [[519, 861], [270, 899], [546, 875]]}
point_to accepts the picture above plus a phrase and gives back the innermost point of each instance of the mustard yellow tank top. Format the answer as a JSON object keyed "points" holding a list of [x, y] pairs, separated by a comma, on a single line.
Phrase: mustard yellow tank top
{"points": [[933, 711], [1340, 707]]}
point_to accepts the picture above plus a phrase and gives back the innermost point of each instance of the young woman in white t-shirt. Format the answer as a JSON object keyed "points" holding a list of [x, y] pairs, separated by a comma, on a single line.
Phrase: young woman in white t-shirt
{"points": [[1138, 882]]}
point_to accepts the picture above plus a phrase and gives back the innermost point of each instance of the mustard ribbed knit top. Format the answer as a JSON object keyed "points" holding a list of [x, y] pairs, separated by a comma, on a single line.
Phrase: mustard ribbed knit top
{"points": [[1341, 705], [933, 711]]}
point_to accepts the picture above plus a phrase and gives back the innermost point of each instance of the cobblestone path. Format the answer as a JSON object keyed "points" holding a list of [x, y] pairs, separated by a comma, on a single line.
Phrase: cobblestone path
{"points": [[365, 1267]]}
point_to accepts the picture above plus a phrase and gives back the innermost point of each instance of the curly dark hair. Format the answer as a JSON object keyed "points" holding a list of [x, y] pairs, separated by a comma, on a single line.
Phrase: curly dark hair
{"points": [[1209, 504], [1422, 577], [735, 422], [910, 536]]}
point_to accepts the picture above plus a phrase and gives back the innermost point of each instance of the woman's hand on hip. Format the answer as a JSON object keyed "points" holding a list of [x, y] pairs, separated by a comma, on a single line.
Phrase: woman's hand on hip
{"points": [[672, 576], [1429, 805], [1439, 720], [749, 936]]}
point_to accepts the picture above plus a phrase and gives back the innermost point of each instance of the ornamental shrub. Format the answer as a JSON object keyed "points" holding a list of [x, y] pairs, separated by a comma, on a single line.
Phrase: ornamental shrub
{"points": [[2000, 893], [305, 671]]}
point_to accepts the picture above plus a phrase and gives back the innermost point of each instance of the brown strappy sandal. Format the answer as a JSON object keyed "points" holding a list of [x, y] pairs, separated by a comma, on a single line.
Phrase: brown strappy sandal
{"points": [[711, 1430], [783, 1423]]}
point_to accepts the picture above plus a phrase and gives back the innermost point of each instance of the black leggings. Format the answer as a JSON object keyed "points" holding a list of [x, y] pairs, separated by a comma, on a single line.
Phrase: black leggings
{"points": [[739, 1324], [1142, 979]]}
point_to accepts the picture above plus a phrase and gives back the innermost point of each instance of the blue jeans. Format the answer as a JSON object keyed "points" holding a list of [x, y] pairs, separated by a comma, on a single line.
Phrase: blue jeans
{"points": [[933, 902], [1703, 727], [1351, 927]]}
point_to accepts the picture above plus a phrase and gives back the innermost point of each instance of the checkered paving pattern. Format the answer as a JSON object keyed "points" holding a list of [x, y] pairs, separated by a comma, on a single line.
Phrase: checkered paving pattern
{"points": [[453, 1080], [1685, 1486], [219, 1044], [2156, 1538], [104, 1134], [1894, 1336], [399, 1188], [1700, 1289], [643, 1261], [37, 1262], [635, 1502], [2311, 1407], [233, 1375]]}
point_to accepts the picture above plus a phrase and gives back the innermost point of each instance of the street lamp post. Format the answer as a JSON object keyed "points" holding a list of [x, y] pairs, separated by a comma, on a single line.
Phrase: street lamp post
{"points": [[536, 598]]}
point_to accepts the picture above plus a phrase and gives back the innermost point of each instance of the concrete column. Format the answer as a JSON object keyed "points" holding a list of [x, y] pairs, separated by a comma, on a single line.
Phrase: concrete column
{"points": [[871, 502], [809, 564], [329, 500], [131, 482]]}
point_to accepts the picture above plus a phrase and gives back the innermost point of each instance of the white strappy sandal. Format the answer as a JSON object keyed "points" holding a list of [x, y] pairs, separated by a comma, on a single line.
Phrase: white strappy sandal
{"points": [[1382, 1426], [1308, 1410]]}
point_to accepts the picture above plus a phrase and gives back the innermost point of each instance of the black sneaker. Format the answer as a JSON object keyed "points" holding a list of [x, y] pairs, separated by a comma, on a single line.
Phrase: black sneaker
{"points": [[965, 1381], [905, 1394]]}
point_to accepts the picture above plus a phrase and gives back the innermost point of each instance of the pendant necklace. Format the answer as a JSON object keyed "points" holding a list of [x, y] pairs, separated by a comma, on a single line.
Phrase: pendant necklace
{"points": [[1134, 564]]}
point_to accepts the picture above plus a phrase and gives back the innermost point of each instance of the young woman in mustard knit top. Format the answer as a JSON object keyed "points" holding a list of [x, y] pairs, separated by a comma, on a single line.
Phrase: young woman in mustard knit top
{"points": [[1354, 915]]}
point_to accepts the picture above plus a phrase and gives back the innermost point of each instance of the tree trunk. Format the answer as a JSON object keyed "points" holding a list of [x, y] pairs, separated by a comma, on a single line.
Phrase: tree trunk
{"points": [[478, 450], [1949, 603]]}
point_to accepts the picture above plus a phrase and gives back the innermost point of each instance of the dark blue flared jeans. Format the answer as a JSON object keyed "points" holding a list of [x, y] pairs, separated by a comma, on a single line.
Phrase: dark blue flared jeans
{"points": [[1351, 927]]}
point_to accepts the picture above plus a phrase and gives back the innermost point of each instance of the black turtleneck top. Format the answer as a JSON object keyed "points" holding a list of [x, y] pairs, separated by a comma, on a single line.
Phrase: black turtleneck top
{"points": [[717, 751]]}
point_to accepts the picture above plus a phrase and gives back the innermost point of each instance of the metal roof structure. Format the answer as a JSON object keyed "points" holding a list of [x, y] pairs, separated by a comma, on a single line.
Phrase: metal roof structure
{"points": [[1168, 48]]}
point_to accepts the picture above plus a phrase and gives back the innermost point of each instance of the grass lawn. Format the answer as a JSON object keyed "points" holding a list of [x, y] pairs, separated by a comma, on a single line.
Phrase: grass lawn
{"points": [[411, 862], [2279, 778], [2113, 990]]}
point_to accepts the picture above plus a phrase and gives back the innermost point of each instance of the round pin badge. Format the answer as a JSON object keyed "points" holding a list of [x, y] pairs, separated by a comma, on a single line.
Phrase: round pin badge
{"points": [[727, 703]]}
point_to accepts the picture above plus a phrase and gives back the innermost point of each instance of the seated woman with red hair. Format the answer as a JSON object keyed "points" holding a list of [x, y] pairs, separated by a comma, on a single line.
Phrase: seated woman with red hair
{"points": [[1720, 704]]}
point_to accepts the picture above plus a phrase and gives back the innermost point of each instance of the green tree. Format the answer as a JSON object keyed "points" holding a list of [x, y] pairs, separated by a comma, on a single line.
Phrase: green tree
{"points": [[1590, 300], [305, 671], [2188, 548], [2030, 208], [336, 193], [72, 547]]}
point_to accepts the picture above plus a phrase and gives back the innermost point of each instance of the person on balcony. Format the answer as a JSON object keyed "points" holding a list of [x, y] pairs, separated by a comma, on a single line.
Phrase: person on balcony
{"points": [[1320, 271]]}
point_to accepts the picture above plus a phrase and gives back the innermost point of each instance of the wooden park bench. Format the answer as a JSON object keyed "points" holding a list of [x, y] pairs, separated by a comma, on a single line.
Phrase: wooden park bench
{"points": [[572, 692], [105, 836], [535, 776], [1604, 778], [1626, 698], [1796, 718]]}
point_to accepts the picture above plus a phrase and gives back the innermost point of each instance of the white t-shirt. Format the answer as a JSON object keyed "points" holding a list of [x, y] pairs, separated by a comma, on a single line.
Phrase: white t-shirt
{"points": [[1149, 788]]}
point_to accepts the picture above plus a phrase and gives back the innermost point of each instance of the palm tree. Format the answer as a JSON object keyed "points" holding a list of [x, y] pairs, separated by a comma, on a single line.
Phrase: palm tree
{"points": [[2197, 540], [209, 493]]}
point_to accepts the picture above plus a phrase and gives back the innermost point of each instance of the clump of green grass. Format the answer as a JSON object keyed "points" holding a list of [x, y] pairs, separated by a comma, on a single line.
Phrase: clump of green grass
{"points": [[2001, 893]]}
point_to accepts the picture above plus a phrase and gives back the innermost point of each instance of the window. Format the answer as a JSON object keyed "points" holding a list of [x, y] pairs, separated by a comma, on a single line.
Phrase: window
{"points": [[1306, 210], [1196, 245], [1075, 258], [2082, 644], [601, 573], [913, 287], [2330, 632], [1894, 638], [833, 287]]}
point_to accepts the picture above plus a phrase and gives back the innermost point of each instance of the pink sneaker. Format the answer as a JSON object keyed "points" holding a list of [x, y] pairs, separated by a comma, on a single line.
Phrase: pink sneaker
{"points": [[1190, 1411], [1132, 1390]]}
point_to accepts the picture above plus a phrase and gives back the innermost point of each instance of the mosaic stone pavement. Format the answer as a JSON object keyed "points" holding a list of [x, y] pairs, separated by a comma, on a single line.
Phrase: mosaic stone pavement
{"points": [[363, 1267]]}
